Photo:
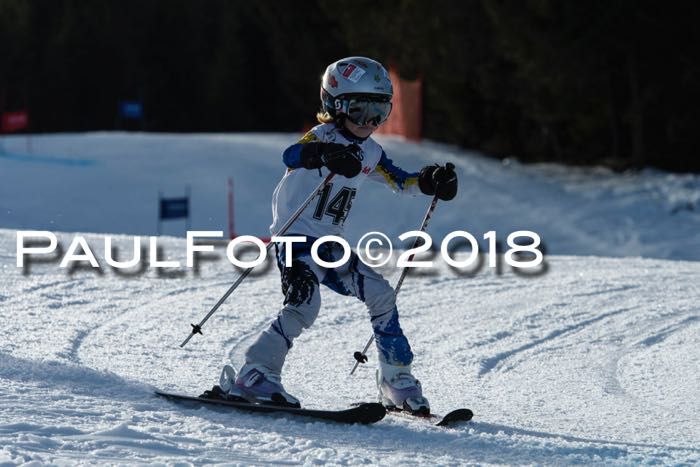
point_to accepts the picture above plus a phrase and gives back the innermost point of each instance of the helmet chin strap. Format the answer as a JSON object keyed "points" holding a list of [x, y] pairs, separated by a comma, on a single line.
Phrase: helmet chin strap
{"points": [[345, 131]]}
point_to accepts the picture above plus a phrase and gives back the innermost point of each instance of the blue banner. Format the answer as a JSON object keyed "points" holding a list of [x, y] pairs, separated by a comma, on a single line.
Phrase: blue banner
{"points": [[131, 109], [174, 208]]}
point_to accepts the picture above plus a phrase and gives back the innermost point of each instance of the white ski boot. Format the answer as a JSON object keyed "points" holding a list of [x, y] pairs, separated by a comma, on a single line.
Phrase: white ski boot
{"points": [[256, 383], [399, 390]]}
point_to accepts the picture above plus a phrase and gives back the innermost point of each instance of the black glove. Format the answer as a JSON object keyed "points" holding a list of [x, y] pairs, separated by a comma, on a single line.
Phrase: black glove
{"points": [[439, 181], [340, 159]]}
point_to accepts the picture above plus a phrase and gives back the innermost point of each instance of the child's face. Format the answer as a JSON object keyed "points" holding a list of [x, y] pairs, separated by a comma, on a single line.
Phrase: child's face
{"points": [[361, 131]]}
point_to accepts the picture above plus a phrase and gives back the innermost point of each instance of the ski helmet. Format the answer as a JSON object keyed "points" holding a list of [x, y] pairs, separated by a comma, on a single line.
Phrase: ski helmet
{"points": [[357, 88]]}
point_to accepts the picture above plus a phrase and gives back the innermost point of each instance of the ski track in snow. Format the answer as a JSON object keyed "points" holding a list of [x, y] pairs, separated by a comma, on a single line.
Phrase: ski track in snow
{"points": [[593, 361], [559, 368]]}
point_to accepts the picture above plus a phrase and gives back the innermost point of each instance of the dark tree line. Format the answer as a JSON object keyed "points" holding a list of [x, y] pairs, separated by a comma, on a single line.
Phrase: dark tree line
{"points": [[580, 82]]}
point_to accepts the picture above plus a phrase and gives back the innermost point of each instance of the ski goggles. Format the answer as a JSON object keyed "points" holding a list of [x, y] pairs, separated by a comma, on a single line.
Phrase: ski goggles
{"points": [[364, 110]]}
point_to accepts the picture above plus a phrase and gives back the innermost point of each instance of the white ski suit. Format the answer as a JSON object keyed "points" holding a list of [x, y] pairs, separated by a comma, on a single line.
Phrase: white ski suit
{"points": [[326, 216]]}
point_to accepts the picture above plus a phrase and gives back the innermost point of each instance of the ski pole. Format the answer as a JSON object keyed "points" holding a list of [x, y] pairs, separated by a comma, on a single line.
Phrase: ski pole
{"points": [[197, 328], [361, 357]]}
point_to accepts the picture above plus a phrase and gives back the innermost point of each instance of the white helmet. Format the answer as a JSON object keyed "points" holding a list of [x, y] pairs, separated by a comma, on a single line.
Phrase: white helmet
{"points": [[358, 88]]}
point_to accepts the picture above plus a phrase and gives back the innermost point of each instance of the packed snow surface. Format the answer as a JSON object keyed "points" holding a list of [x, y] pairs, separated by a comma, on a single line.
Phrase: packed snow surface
{"points": [[592, 359]]}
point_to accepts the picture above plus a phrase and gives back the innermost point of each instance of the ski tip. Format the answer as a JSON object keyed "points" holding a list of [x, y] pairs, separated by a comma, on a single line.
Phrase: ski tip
{"points": [[456, 416], [168, 395]]}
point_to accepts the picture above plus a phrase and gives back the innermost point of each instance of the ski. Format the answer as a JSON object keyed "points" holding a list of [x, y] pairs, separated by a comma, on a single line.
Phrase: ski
{"points": [[364, 413], [451, 419]]}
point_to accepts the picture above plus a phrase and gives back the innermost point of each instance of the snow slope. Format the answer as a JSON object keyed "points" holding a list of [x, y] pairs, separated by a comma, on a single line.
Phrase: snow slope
{"points": [[594, 361], [109, 183]]}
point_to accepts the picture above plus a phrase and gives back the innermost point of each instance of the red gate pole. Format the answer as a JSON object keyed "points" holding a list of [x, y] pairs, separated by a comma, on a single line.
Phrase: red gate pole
{"points": [[231, 231]]}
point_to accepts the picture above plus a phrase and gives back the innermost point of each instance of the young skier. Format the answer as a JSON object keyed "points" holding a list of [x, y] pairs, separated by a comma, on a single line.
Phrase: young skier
{"points": [[356, 95]]}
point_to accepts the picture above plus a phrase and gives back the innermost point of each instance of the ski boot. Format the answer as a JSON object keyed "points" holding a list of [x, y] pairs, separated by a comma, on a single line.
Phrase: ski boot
{"points": [[256, 383], [399, 390]]}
